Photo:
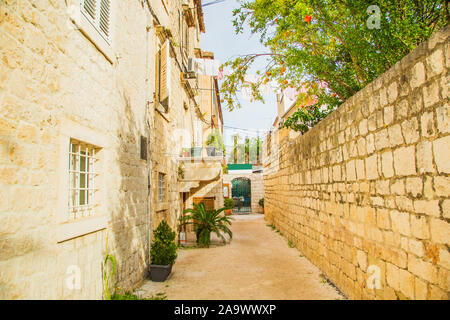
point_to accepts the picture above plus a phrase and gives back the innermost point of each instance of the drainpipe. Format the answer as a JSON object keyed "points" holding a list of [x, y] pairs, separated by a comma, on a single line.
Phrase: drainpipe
{"points": [[149, 161]]}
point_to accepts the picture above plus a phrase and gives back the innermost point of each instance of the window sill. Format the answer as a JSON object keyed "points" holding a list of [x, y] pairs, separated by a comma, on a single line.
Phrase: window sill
{"points": [[78, 228], [86, 28], [162, 111], [162, 206]]}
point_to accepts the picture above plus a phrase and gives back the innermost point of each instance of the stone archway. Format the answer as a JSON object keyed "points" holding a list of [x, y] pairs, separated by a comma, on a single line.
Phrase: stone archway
{"points": [[256, 186], [241, 194]]}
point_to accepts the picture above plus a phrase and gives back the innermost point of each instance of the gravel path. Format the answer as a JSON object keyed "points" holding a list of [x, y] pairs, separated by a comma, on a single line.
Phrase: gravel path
{"points": [[257, 264]]}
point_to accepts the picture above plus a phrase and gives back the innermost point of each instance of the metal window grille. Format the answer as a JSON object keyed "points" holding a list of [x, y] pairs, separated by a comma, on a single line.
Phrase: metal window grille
{"points": [[161, 187], [82, 190]]}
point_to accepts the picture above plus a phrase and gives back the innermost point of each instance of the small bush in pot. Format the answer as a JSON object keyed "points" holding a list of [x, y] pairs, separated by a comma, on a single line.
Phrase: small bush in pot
{"points": [[163, 252], [229, 205], [261, 202]]}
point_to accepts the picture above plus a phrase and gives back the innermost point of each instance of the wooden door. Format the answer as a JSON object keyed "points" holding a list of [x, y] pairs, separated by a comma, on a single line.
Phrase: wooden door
{"points": [[207, 201]]}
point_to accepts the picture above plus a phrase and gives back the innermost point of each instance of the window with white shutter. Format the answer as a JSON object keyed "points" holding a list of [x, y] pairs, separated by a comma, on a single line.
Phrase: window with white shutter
{"points": [[163, 76], [98, 12]]}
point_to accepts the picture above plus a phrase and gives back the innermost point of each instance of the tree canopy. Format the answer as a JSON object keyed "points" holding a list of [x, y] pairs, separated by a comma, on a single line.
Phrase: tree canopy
{"points": [[328, 50]]}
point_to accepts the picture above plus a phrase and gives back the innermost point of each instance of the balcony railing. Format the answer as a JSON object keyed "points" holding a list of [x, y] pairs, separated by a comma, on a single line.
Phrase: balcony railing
{"points": [[201, 153]]}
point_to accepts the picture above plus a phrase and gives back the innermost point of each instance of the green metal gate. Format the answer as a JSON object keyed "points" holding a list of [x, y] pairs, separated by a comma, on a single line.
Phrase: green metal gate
{"points": [[241, 194]]}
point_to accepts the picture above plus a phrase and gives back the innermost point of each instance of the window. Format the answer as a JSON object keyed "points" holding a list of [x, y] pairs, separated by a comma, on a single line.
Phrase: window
{"points": [[98, 12], [82, 176], [161, 187], [143, 148], [94, 19], [185, 38], [162, 85]]}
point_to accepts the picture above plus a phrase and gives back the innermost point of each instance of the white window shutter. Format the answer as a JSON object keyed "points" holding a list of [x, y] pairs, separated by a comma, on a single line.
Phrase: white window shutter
{"points": [[90, 7], [105, 17], [165, 77], [169, 70], [99, 13]]}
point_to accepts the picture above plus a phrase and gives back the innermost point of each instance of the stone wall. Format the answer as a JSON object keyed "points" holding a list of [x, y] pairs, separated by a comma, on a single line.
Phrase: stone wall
{"points": [[58, 82], [365, 194]]}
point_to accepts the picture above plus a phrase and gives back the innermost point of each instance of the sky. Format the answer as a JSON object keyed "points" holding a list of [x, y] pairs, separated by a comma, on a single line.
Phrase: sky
{"points": [[220, 38]]}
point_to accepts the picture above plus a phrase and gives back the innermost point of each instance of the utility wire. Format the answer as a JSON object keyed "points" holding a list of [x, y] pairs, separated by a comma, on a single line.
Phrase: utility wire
{"points": [[211, 3]]}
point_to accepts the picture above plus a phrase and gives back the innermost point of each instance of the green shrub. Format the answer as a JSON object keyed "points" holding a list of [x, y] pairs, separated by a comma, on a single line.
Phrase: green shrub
{"points": [[163, 249], [228, 203], [207, 221], [261, 202]]}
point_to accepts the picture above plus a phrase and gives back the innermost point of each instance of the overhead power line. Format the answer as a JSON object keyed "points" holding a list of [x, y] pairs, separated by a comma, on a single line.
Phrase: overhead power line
{"points": [[213, 2]]}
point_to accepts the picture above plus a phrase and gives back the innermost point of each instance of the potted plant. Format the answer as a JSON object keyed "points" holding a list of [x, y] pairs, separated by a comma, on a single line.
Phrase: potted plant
{"points": [[229, 205], [261, 203], [186, 152], [163, 252], [214, 144], [207, 221], [180, 171], [196, 152], [210, 146]]}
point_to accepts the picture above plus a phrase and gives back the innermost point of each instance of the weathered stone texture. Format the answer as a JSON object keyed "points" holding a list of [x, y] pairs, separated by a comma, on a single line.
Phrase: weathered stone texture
{"points": [[385, 203], [51, 72]]}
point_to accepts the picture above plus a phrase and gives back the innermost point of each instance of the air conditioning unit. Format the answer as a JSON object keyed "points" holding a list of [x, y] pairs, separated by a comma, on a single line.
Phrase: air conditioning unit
{"points": [[191, 69]]}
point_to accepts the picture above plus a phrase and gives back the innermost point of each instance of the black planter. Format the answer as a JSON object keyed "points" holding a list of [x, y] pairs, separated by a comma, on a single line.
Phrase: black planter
{"points": [[159, 273], [211, 151]]}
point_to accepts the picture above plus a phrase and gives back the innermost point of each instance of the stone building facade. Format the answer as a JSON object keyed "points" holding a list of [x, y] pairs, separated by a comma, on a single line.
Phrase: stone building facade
{"points": [[94, 107], [365, 194]]}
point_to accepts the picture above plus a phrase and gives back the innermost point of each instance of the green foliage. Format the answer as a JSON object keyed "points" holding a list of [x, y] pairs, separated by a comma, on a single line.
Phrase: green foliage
{"points": [[271, 226], [215, 140], [131, 296], [108, 277], [228, 203], [291, 244], [253, 144], [125, 296], [329, 48], [181, 171], [261, 202], [163, 250], [207, 221]]}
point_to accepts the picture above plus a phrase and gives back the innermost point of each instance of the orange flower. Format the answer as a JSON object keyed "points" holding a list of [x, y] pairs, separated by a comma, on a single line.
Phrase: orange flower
{"points": [[308, 18]]}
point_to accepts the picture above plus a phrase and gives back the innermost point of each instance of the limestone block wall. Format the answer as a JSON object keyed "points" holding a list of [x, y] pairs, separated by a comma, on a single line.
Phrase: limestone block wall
{"points": [[53, 74], [365, 195], [256, 188]]}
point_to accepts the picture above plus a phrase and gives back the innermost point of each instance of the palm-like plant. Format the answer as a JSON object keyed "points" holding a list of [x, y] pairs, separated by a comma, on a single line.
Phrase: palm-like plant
{"points": [[207, 221]]}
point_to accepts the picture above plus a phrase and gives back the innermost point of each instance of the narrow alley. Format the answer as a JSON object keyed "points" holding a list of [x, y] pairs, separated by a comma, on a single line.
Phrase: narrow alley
{"points": [[252, 266]]}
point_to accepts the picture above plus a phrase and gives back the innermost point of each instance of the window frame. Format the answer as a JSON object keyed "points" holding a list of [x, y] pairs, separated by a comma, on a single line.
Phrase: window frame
{"points": [[162, 192], [68, 228], [82, 179], [88, 28]]}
